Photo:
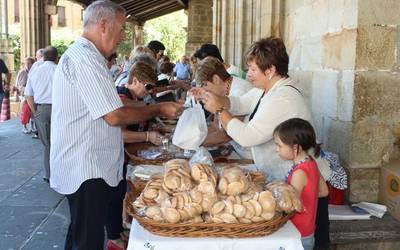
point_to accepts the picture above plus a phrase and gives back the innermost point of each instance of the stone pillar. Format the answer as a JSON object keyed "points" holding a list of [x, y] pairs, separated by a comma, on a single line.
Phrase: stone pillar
{"points": [[3, 19], [6, 50], [237, 24], [35, 26], [200, 20], [137, 34]]}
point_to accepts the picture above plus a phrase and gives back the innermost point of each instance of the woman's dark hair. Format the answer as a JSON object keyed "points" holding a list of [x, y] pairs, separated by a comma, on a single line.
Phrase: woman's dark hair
{"points": [[208, 49], [155, 46], [267, 52], [298, 131]]}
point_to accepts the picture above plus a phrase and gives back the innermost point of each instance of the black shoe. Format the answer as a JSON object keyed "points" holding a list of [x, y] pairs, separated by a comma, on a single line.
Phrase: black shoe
{"points": [[46, 179], [35, 136]]}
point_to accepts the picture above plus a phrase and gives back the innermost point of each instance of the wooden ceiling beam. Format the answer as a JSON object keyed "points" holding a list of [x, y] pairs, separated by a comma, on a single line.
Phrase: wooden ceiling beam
{"points": [[161, 13], [134, 5], [158, 7]]}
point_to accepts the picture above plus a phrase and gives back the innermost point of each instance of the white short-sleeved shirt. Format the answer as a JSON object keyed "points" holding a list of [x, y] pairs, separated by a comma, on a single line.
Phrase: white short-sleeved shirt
{"points": [[40, 81], [236, 71], [83, 145], [36, 64], [239, 86]]}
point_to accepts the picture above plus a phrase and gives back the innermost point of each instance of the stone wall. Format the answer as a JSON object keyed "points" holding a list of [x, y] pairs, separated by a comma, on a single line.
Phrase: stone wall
{"points": [[321, 41], [344, 56], [199, 29], [320, 38], [376, 113]]}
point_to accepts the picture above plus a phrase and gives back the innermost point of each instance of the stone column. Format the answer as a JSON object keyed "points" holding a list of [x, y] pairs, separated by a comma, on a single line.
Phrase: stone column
{"points": [[3, 19], [6, 50], [200, 20], [137, 34], [35, 27]]}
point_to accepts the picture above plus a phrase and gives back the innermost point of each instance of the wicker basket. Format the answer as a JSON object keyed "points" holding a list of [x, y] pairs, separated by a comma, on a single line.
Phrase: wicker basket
{"points": [[132, 149], [238, 230]]}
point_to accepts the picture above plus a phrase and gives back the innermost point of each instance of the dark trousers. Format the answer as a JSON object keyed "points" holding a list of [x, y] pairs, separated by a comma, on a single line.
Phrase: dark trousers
{"points": [[322, 224], [88, 208], [114, 214]]}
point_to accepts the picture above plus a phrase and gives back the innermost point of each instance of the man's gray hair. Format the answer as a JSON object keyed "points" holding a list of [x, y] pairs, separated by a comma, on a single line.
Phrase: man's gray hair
{"points": [[101, 9], [40, 52], [146, 58]]}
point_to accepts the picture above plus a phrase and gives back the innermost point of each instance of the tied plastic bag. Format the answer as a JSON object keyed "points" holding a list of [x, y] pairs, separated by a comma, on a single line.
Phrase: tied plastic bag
{"points": [[191, 129], [202, 156]]}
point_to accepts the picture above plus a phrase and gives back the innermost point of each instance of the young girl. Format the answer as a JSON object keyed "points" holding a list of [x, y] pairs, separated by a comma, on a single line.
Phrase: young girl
{"points": [[294, 138]]}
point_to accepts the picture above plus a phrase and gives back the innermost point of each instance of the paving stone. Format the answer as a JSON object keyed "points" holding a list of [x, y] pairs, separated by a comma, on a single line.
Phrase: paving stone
{"points": [[51, 234], [35, 192], [4, 194], [18, 222], [14, 173]]}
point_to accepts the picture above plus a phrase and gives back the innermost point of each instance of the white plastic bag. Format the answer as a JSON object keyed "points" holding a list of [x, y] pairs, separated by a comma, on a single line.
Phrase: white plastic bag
{"points": [[191, 129], [202, 156]]}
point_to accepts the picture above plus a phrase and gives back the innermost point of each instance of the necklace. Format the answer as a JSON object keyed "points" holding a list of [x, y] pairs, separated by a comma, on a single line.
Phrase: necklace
{"points": [[295, 166]]}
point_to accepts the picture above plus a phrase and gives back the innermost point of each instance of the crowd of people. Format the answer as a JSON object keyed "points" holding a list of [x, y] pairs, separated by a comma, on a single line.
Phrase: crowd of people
{"points": [[85, 107]]}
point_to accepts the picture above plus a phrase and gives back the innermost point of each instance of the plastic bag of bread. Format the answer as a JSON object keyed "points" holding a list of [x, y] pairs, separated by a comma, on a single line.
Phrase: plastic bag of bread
{"points": [[184, 205], [244, 208], [153, 193], [287, 198], [203, 172], [177, 176], [233, 181]]}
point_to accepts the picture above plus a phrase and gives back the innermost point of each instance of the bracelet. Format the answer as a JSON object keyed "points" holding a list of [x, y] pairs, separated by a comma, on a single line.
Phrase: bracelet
{"points": [[147, 136]]}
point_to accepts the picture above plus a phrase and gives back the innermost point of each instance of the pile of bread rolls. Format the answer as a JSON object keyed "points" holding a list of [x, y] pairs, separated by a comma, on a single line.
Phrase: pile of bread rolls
{"points": [[199, 194]]}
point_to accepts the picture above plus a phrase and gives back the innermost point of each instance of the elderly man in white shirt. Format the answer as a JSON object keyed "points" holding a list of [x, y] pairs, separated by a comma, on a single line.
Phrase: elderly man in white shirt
{"points": [[38, 95], [273, 101], [39, 59], [86, 157]]}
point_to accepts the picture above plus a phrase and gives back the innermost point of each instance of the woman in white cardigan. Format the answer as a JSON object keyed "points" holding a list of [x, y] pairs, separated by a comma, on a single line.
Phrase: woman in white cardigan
{"points": [[273, 100]]}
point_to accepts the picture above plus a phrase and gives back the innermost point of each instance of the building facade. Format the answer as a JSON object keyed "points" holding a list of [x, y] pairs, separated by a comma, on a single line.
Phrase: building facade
{"points": [[37, 22]]}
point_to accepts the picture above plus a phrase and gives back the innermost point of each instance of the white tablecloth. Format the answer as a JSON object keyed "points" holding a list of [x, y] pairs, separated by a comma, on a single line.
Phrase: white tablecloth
{"points": [[286, 238]]}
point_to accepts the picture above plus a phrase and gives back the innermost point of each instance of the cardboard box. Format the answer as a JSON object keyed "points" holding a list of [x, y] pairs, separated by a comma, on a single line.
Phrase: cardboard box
{"points": [[389, 190]]}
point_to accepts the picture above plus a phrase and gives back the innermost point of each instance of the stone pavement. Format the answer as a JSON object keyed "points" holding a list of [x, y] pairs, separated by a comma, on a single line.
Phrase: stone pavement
{"points": [[32, 215]]}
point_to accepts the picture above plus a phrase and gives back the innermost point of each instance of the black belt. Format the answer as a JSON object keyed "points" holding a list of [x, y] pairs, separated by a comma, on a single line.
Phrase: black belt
{"points": [[42, 104]]}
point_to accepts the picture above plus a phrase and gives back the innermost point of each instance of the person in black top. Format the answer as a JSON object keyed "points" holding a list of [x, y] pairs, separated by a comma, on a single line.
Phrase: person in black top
{"points": [[157, 47], [4, 86]]}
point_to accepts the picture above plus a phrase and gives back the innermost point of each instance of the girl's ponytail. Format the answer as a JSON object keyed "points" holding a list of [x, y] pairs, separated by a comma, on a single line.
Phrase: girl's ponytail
{"points": [[317, 150]]}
